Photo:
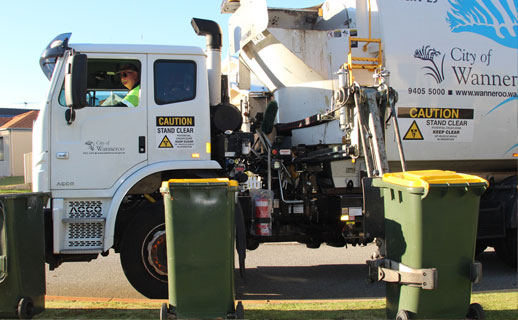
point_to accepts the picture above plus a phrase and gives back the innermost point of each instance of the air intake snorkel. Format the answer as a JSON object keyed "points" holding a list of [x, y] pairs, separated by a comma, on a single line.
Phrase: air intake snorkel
{"points": [[212, 32]]}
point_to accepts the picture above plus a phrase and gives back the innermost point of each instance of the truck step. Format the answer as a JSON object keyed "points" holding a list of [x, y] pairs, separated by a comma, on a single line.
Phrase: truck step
{"points": [[78, 251], [84, 220]]}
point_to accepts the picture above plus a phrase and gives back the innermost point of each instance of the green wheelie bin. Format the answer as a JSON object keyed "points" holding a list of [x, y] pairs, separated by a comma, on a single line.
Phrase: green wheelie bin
{"points": [[22, 255], [200, 234], [430, 232]]}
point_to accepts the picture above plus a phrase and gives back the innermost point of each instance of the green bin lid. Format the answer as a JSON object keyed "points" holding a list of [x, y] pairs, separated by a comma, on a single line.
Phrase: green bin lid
{"points": [[425, 178]]}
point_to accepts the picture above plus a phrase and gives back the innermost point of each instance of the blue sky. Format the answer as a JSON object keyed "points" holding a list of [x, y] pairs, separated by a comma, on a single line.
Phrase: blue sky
{"points": [[27, 27]]}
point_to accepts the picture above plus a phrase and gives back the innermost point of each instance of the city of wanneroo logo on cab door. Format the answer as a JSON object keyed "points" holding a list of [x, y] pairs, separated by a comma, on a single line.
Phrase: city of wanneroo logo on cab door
{"points": [[496, 19]]}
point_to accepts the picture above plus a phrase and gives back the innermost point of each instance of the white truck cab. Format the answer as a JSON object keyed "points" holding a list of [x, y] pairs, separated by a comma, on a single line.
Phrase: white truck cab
{"points": [[103, 157]]}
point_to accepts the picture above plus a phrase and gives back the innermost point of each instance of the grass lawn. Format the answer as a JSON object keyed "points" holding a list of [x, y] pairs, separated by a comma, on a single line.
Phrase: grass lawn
{"points": [[501, 305], [8, 181], [13, 185]]}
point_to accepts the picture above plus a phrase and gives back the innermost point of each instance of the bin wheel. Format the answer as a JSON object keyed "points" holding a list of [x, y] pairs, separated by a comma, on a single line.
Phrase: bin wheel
{"points": [[475, 311], [240, 311], [165, 314], [251, 244], [25, 308], [402, 315]]}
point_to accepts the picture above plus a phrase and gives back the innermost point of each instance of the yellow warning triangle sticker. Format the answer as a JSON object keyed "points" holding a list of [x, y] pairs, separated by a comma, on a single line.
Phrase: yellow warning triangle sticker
{"points": [[413, 133], [165, 143]]}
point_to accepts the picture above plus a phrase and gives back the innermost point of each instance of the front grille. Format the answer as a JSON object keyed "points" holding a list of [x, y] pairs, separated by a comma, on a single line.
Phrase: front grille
{"points": [[85, 209], [85, 244], [85, 235]]}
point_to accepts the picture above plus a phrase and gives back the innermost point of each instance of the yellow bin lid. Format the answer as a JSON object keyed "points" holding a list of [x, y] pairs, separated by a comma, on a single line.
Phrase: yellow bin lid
{"points": [[231, 183], [425, 178], [204, 180]]}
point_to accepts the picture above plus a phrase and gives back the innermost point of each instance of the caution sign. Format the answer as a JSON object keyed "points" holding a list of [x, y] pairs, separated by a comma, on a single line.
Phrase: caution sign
{"points": [[165, 143], [175, 132], [168, 121], [413, 133], [436, 124]]}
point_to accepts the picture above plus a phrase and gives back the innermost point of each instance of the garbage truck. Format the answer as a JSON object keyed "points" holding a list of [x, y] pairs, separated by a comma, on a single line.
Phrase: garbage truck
{"points": [[349, 90]]}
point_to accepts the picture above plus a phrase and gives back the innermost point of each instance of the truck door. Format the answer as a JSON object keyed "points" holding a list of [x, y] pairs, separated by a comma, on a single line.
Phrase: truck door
{"points": [[106, 141], [178, 112]]}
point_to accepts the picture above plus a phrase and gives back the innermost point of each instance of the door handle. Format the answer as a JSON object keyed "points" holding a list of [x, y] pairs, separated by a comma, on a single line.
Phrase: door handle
{"points": [[141, 144], [62, 155]]}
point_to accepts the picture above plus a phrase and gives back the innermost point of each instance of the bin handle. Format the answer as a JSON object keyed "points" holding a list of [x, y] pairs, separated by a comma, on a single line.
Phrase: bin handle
{"points": [[3, 243], [3, 268]]}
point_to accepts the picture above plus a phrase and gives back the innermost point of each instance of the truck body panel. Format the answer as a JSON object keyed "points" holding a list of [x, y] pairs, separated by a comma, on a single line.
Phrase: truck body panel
{"points": [[472, 104], [445, 62]]}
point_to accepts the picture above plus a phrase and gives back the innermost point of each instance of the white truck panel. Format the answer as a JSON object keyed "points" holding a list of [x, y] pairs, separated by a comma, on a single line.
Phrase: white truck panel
{"points": [[327, 133], [250, 20], [129, 182], [456, 79], [41, 141], [303, 100], [439, 66], [137, 48], [101, 144], [185, 140]]}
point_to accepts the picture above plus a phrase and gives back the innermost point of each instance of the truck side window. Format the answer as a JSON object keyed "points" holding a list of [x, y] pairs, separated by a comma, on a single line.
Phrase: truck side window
{"points": [[104, 86], [175, 81]]}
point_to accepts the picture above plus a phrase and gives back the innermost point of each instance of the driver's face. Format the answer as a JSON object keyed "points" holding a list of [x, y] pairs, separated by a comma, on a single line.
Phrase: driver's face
{"points": [[129, 78]]}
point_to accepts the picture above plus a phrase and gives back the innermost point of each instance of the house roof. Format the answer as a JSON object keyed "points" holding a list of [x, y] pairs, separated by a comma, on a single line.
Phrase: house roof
{"points": [[22, 121], [4, 120], [11, 112]]}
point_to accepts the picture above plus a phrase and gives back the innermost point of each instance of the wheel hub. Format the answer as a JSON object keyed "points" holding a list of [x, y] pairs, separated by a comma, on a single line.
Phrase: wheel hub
{"points": [[157, 255]]}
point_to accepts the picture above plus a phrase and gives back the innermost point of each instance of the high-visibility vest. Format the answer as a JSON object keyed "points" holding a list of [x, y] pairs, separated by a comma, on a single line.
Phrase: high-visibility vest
{"points": [[132, 98]]}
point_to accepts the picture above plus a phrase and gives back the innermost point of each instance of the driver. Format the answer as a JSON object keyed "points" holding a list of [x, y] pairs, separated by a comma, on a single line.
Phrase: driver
{"points": [[130, 78]]}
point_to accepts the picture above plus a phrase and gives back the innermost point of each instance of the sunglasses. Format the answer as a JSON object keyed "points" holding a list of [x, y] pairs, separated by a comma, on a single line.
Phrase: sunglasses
{"points": [[124, 74]]}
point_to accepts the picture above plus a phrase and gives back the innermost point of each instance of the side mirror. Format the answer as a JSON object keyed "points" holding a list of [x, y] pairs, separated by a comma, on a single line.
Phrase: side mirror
{"points": [[75, 81]]}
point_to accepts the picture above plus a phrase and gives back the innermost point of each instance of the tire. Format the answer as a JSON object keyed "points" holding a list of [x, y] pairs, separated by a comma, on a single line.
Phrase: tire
{"points": [[506, 248], [25, 308], [475, 311], [143, 252], [402, 315]]}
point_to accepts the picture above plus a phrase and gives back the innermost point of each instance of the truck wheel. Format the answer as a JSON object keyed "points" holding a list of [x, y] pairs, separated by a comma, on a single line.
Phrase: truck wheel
{"points": [[506, 248], [143, 252]]}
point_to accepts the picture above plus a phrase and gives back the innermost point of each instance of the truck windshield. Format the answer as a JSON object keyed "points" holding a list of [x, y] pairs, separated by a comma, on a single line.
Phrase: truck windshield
{"points": [[48, 66]]}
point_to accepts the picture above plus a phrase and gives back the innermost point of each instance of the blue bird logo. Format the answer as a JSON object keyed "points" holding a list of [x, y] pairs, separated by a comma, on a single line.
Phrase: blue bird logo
{"points": [[496, 19]]}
